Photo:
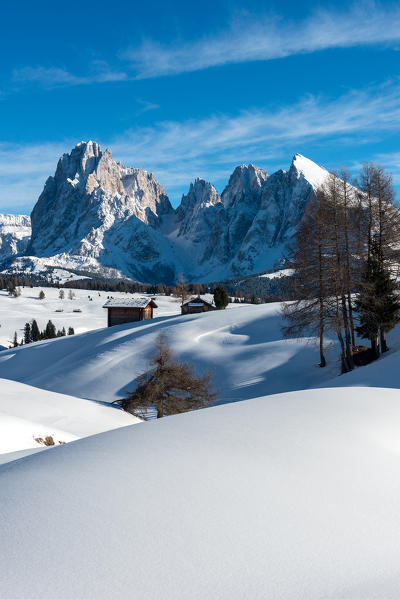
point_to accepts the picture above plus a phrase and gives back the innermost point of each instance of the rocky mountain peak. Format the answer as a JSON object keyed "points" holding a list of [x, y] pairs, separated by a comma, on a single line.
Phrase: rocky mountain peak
{"points": [[312, 172], [196, 207], [90, 194], [245, 181]]}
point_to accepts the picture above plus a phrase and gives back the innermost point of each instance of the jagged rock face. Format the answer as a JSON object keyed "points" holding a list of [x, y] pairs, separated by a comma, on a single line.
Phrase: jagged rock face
{"points": [[95, 211], [89, 194], [241, 199], [15, 231], [284, 197], [197, 211], [95, 207]]}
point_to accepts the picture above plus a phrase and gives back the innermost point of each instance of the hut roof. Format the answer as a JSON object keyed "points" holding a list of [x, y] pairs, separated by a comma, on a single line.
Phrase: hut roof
{"points": [[197, 301], [130, 302]]}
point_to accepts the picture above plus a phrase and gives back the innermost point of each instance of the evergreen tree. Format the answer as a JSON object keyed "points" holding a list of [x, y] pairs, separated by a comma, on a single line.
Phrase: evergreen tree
{"points": [[377, 304], [50, 331], [35, 333], [27, 333], [15, 340], [71, 331], [221, 298], [389, 309]]}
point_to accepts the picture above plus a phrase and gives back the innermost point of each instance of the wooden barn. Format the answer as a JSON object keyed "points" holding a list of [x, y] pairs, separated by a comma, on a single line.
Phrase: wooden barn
{"points": [[196, 305], [130, 309]]}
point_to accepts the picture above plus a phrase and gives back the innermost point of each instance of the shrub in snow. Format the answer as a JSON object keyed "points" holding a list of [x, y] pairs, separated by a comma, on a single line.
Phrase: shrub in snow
{"points": [[169, 387]]}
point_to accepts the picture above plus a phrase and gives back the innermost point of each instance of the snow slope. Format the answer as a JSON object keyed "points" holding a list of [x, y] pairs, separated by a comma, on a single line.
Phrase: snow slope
{"points": [[243, 344], [27, 413], [290, 497]]}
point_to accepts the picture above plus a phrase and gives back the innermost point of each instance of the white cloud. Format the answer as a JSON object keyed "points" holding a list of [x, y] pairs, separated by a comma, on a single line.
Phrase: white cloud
{"points": [[249, 38], [177, 152], [270, 38], [56, 77], [222, 141]]}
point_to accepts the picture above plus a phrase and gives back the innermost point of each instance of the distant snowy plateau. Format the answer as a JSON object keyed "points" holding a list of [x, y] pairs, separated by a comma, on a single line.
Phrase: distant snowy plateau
{"points": [[98, 216]]}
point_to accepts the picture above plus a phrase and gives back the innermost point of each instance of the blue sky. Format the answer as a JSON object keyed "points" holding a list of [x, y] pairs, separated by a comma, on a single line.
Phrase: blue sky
{"points": [[187, 89]]}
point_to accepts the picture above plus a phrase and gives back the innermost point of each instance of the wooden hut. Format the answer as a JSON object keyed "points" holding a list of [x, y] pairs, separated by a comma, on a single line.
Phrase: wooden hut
{"points": [[130, 309], [196, 305]]}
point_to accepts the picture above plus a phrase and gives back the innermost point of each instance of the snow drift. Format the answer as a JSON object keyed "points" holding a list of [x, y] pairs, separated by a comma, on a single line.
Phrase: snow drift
{"points": [[288, 496], [27, 413]]}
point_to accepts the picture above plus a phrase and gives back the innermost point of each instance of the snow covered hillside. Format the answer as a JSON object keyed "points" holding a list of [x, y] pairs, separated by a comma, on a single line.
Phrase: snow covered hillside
{"points": [[243, 344], [292, 496], [27, 413]]}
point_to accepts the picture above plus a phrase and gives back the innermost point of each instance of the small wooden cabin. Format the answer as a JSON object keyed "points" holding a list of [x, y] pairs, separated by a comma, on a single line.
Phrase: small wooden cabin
{"points": [[196, 305], [133, 309]]}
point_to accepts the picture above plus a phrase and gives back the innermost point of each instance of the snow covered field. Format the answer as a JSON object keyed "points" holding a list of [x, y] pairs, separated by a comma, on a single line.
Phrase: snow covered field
{"points": [[289, 497], [15, 312], [285, 496]]}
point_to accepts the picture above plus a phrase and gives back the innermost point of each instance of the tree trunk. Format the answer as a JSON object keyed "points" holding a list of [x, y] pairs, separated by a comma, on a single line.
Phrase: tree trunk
{"points": [[345, 366], [322, 362], [375, 346], [351, 319], [384, 346], [160, 409], [349, 350]]}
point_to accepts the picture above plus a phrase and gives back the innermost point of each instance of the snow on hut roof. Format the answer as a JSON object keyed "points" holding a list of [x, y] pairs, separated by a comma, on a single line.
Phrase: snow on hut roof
{"points": [[197, 301], [130, 302]]}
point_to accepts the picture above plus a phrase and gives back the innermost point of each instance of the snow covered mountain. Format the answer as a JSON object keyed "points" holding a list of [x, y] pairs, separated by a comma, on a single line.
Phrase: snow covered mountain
{"points": [[95, 214], [96, 210], [15, 231]]}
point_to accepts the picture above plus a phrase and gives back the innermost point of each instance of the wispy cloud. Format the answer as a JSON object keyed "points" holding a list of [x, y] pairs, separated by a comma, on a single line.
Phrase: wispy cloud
{"points": [[177, 152], [57, 77], [222, 141], [257, 38], [248, 38], [24, 169], [145, 106]]}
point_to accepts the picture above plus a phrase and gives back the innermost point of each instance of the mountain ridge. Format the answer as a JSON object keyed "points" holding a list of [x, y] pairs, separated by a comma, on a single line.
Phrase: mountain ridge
{"points": [[96, 213]]}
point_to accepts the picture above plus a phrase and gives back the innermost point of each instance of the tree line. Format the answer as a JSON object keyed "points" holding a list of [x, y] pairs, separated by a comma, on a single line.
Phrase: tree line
{"points": [[32, 333], [345, 257]]}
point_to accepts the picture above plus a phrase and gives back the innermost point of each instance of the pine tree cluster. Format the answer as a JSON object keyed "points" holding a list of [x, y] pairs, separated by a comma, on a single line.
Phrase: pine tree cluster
{"points": [[32, 333]]}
